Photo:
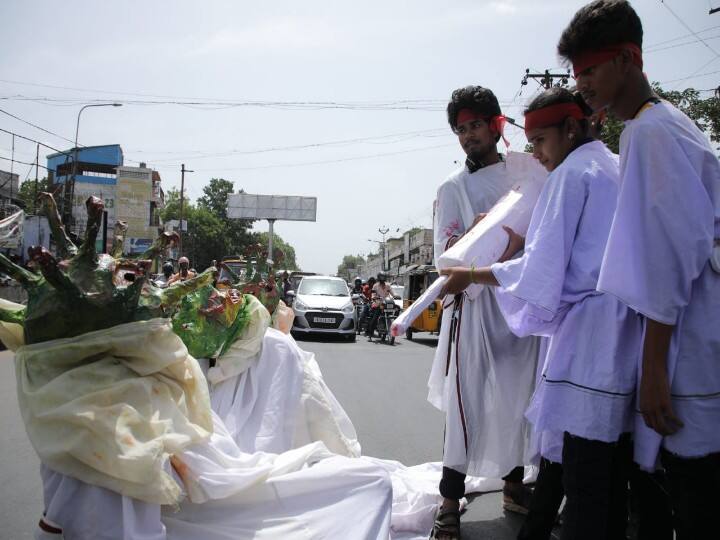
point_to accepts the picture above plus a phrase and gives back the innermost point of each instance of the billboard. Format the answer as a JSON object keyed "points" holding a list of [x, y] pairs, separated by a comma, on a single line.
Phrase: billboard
{"points": [[133, 199], [285, 207]]}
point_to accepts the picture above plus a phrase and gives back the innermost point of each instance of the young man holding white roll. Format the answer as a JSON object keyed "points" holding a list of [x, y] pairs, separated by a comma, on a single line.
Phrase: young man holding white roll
{"points": [[483, 375]]}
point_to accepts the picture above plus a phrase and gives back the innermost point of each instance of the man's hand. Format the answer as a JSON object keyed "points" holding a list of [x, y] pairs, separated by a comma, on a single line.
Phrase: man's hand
{"points": [[655, 403], [458, 280], [478, 219], [516, 243]]}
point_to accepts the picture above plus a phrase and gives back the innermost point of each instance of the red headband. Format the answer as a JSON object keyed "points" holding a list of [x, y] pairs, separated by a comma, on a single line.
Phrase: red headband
{"points": [[590, 59], [496, 123], [552, 115]]}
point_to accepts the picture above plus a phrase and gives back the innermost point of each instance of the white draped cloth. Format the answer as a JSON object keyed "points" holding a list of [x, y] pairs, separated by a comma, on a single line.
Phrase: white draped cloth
{"points": [[588, 380], [483, 380], [281, 402], [657, 262], [306, 493]]}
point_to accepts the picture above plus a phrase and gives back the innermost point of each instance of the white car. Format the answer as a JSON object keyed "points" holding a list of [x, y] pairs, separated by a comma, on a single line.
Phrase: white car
{"points": [[323, 305]]}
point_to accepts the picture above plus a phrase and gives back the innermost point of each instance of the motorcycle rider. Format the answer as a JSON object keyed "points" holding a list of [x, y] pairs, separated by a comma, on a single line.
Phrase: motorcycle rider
{"points": [[358, 288], [185, 271], [380, 291]]}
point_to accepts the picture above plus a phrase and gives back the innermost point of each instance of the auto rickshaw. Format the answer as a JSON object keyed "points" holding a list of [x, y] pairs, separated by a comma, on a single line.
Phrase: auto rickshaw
{"points": [[417, 280]]}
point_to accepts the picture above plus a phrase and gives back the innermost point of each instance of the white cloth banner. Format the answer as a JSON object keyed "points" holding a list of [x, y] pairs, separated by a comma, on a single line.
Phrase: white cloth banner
{"points": [[485, 242], [11, 230]]}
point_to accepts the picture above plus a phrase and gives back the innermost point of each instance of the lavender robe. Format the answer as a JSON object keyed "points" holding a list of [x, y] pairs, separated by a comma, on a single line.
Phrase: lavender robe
{"points": [[658, 262], [589, 377]]}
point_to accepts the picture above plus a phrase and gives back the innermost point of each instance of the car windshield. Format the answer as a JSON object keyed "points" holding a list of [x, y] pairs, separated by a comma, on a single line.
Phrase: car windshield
{"points": [[323, 287], [235, 267]]}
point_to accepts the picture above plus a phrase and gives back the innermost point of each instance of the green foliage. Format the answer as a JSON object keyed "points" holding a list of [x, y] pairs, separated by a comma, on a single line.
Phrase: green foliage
{"points": [[211, 235], [28, 194], [290, 263], [350, 262], [705, 112]]}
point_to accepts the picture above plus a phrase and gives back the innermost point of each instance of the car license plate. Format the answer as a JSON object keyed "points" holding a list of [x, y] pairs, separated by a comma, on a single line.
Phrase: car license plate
{"points": [[324, 320]]}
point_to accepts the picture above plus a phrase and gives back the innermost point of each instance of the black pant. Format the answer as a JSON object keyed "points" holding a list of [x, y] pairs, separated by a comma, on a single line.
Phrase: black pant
{"points": [[650, 509], [595, 478], [452, 483], [694, 494], [372, 325], [545, 502]]}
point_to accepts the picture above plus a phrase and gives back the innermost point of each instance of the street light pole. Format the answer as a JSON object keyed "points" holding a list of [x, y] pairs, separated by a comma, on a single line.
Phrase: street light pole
{"points": [[66, 215], [183, 170]]}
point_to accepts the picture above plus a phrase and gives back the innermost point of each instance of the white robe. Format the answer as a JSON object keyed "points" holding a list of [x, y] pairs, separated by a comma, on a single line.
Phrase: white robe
{"points": [[281, 402], [588, 381], [657, 262], [486, 386]]}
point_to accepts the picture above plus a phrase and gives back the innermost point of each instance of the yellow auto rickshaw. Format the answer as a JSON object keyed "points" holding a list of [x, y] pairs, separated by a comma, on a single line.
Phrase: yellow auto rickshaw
{"points": [[417, 280]]}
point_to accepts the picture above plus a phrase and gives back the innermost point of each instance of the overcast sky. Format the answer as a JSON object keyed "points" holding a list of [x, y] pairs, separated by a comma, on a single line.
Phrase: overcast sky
{"points": [[368, 61]]}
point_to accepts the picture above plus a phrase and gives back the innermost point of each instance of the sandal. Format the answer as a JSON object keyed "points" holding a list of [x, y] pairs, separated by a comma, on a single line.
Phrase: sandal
{"points": [[447, 525]]}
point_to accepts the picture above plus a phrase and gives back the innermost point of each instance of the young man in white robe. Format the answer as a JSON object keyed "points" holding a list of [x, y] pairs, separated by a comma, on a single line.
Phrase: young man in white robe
{"points": [[661, 259], [588, 381], [483, 375]]}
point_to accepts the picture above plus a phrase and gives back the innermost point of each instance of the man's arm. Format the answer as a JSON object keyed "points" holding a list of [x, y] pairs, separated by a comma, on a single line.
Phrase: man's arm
{"points": [[655, 402]]}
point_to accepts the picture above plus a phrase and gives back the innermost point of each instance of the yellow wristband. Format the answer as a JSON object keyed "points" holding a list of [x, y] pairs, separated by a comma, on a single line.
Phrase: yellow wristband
{"points": [[472, 273]]}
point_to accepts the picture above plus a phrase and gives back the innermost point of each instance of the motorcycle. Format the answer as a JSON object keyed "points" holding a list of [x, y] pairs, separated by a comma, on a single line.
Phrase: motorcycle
{"points": [[389, 311], [361, 321]]}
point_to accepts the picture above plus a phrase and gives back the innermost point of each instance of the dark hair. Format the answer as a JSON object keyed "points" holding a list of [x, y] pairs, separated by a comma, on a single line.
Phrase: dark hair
{"points": [[478, 99], [600, 24], [557, 95]]}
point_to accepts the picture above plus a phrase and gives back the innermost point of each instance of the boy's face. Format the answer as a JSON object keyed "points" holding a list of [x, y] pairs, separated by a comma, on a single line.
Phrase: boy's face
{"points": [[550, 146], [600, 85]]}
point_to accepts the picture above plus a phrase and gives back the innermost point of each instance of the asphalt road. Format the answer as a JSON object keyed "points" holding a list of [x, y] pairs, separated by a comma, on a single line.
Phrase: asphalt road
{"points": [[382, 388]]}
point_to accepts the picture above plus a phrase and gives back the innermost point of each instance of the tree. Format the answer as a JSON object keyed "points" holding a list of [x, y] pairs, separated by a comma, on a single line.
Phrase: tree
{"points": [[211, 235], [28, 194], [705, 112], [350, 264], [289, 263], [215, 200]]}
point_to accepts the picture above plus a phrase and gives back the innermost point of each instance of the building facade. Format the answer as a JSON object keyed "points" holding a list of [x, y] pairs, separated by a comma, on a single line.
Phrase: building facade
{"points": [[130, 194], [415, 247]]}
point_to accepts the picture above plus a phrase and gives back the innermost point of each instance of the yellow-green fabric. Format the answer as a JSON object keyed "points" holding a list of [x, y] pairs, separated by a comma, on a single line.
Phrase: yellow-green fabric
{"points": [[11, 334], [246, 347], [109, 407]]}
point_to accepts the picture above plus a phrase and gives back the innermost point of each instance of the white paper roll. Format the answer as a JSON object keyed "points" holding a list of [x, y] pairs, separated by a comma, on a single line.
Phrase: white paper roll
{"points": [[485, 242]]}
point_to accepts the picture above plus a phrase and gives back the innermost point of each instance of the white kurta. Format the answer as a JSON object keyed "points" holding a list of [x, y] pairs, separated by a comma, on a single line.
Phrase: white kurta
{"points": [[485, 387], [657, 262], [588, 381]]}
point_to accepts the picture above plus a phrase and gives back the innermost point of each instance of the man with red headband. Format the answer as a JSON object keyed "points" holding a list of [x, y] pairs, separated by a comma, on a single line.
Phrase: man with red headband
{"points": [[661, 259], [483, 375]]}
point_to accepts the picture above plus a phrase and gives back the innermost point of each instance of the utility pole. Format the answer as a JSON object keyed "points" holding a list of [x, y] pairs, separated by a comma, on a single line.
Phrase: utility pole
{"points": [[547, 79], [383, 231], [183, 170], [12, 164], [37, 160]]}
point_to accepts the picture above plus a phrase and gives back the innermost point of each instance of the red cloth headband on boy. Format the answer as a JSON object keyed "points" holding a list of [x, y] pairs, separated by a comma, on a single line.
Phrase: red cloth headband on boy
{"points": [[552, 115], [496, 124], [590, 59]]}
